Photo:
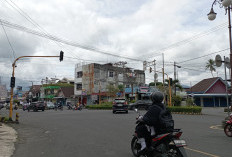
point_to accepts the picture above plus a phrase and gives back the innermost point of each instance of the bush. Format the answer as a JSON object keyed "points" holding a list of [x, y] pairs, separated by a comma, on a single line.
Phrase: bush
{"points": [[188, 109], [100, 107], [176, 100], [189, 102], [132, 101]]}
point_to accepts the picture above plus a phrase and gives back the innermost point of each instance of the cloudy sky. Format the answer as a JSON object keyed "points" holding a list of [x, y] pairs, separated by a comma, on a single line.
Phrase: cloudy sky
{"points": [[137, 29]]}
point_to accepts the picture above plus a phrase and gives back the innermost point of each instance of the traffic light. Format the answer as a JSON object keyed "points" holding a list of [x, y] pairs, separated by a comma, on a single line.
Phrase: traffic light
{"points": [[150, 70], [170, 81], [12, 82], [61, 55]]}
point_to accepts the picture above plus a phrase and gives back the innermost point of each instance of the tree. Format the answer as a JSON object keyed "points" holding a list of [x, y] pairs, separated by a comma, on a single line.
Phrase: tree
{"points": [[153, 83], [112, 90], [121, 87], [174, 83], [210, 64]]}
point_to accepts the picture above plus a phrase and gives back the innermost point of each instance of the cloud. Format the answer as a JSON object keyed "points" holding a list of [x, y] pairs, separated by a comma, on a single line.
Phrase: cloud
{"points": [[134, 28]]}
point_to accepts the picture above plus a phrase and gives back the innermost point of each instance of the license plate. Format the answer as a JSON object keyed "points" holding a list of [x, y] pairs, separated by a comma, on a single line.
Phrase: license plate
{"points": [[180, 143], [120, 105]]}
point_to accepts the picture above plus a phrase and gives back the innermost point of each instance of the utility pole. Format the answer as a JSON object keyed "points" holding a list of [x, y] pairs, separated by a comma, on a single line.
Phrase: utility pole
{"points": [[154, 72], [163, 67], [175, 76], [121, 64]]}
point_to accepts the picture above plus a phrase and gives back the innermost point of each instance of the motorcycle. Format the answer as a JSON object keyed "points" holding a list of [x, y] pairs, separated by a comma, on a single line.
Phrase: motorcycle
{"points": [[228, 127], [60, 107], [164, 145], [78, 108]]}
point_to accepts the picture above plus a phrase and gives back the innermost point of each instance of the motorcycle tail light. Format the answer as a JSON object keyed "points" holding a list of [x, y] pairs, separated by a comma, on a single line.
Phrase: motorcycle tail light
{"points": [[178, 134]]}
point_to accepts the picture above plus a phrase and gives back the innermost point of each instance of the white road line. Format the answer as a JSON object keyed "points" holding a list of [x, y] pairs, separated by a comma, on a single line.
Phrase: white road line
{"points": [[201, 152], [216, 127]]}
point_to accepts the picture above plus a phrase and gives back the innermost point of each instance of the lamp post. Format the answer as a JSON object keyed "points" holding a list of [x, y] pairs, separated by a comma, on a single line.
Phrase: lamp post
{"points": [[212, 15]]}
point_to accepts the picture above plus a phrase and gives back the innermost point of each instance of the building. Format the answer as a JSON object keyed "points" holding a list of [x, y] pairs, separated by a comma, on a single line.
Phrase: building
{"points": [[3, 92], [210, 92], [34, 93], [91, 80], [65, 95]]}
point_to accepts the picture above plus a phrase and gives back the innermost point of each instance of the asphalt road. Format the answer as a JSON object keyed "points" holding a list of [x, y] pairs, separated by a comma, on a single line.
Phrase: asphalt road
{"points": [[102, 134]]}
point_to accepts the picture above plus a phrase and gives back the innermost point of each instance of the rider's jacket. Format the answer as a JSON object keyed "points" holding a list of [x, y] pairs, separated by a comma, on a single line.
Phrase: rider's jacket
{"points": [[151, 118]]}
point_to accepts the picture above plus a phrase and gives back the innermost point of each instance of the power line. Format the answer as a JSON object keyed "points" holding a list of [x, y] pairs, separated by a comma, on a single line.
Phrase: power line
{"points": [[188, 40], [8, 41], [28, 18], [203, 56], [71, 43]]}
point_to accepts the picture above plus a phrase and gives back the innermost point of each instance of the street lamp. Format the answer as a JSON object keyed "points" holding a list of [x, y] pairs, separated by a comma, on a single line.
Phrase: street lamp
{"points": [[212, 15]]}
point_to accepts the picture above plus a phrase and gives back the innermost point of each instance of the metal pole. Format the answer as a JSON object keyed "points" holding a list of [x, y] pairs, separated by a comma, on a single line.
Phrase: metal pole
{"points": [[170, 93], [227, 99], [175, 76], [230, 52], [12, 88], [11, 97], [163, 67], [155, 72]]}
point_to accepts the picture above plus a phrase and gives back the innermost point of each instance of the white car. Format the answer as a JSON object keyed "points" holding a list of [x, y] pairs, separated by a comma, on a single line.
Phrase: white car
{"points": [[50, 105]]}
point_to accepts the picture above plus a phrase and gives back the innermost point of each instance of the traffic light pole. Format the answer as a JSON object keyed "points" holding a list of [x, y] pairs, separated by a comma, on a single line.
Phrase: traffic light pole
{"points": [[13, 83]]}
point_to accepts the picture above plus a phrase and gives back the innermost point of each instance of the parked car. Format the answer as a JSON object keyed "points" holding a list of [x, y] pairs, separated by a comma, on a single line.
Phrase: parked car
{"points": [[50, 105], [35, 106], [140, 104], [120, 104]]}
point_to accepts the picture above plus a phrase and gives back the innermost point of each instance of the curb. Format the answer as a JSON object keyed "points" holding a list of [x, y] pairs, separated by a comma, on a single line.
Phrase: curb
{"points": [[7, 140], [187, 113]]}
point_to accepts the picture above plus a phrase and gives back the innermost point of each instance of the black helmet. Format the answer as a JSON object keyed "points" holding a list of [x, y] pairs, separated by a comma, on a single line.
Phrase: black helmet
{"points": [[157, 97]]}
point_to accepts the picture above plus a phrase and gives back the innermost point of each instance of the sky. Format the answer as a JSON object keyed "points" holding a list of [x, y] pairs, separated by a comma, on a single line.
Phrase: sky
{"points": [[116, 30]]}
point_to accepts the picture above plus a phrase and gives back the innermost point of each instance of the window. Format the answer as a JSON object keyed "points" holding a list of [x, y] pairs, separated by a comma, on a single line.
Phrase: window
{"points": [[111, 74], [78, 86], [127, 86], [79, 74]]}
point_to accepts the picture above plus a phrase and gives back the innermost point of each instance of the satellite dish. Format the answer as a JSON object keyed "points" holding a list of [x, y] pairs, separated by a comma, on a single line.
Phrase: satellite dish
{"points": [[218, 60], [227, 62], [156, 76]]}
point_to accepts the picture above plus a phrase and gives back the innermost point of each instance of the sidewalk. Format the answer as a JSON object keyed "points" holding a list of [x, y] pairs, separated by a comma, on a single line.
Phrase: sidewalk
{"points": [[7, 138], [214, 111]]}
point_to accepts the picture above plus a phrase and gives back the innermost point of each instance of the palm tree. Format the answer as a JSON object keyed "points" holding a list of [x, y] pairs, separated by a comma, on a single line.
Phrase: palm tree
{"points": [[211, 66]]}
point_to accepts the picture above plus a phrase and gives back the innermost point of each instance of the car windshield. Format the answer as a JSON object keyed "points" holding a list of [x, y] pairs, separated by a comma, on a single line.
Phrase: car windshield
{"points": [[50, 103], [119, 100]]}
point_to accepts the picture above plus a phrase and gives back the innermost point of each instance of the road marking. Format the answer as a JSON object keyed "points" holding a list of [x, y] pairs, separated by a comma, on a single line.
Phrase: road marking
{"points": [[198, 151], [217, 127]]}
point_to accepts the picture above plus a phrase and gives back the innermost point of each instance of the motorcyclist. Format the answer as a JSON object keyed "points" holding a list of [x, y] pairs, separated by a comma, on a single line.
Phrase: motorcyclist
{"points": [[150, 119]]}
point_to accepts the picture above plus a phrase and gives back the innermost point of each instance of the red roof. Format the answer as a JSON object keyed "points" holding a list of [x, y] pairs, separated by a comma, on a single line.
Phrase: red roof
{"points": [[67, 91], [204, 85]]}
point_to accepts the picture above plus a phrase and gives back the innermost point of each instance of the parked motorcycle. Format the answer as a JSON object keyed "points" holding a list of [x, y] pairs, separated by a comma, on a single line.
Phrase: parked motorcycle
{"points": [[78, 108], [228, 127], [164, 145], [58, 107], [70, 106]]}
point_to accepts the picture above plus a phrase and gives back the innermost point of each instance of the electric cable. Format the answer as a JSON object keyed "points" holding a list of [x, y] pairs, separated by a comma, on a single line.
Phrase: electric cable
{"points": [[9, 41], [64, 41]]}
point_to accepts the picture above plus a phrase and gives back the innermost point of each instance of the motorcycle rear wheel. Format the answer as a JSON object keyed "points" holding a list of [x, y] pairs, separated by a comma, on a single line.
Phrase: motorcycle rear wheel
{"points": [[135, 146], [228, 130]]}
